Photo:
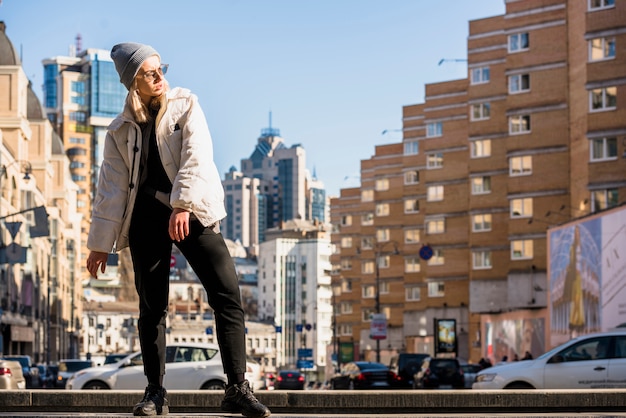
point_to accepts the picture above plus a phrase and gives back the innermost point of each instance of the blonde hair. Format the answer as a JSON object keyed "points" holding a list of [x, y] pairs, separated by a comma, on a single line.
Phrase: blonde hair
{"points": [[139, 110]]}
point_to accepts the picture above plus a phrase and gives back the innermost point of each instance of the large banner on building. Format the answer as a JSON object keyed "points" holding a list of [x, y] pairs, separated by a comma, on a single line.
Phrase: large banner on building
{"points": [[587, 274]]}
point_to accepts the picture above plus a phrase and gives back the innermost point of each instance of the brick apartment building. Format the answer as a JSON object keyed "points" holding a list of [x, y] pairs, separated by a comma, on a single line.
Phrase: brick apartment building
{"points": [[534, 137]]}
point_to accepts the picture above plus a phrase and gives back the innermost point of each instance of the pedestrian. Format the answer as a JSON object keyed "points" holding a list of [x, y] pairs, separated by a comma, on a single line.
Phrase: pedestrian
{"points": [[527, 356], [158, 186]]}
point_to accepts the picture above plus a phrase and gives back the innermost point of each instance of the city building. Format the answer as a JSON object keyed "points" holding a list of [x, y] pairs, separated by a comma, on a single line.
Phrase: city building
{"points": [[295, 295], [82, 94], [451, 223], [40, 226], [273, 186]]}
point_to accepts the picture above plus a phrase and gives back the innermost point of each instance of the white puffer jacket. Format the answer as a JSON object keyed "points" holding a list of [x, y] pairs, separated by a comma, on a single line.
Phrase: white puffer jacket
{"points": [[186, 151]]}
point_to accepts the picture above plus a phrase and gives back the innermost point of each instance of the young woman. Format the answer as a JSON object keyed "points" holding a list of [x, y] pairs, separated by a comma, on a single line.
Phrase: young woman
{"points": [[159, 185]]}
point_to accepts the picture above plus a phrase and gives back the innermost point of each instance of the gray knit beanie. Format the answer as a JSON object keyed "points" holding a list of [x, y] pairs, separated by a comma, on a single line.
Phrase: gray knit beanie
{"points": [[128, 58]]}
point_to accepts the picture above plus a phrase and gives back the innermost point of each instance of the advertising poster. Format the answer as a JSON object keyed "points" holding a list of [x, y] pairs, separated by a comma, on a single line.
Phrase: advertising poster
{"points": [[446, 336], [587, 275]]}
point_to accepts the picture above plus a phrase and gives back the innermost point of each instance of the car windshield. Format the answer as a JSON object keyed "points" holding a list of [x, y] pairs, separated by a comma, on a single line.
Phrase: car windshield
{"points": [[73, 366], [364, 366]]}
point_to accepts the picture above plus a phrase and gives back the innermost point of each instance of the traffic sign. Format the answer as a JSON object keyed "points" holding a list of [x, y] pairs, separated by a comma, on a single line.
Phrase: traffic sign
{"points": [[304, 364], [305, 352]]}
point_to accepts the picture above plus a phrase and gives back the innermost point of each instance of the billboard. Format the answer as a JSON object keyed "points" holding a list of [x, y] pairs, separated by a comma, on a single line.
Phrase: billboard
{"points": [[445, 336], [587, 275]]}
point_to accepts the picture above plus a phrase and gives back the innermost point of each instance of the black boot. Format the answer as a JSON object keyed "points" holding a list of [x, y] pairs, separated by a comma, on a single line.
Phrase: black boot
{"points": [[239, 398], [154, 402]]}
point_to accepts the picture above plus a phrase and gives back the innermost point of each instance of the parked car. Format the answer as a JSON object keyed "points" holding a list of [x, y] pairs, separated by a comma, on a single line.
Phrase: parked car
{"points": [[470, 370], [29, 370], [363, 375], [11, 376], [439, 373], [592, 361], [68, 367], [254, 374], [289, 379], [405, 366], [189, 366], [47, 376], [114, 358]]}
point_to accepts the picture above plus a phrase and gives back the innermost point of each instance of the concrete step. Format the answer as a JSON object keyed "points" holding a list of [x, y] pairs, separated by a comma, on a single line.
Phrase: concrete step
{"points": [[330, 402]]}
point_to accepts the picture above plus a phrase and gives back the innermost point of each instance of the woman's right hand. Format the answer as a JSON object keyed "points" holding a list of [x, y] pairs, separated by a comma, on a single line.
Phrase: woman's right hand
{"points": [[96, 260]]}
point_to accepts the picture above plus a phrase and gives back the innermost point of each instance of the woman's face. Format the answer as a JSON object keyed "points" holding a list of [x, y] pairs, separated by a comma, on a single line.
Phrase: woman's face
{"points": [[149, 80]]}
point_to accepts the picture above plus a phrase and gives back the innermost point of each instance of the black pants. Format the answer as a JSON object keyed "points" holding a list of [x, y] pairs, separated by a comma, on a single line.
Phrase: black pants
{"points": [[208, 256]]}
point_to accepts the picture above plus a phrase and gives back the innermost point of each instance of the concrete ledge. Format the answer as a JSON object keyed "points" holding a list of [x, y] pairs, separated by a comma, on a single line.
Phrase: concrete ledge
{"points": [[330, 402]]}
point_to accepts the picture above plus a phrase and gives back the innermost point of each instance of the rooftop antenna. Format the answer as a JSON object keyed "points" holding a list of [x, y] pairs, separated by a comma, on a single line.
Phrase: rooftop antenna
{"points": [[79, 43]]}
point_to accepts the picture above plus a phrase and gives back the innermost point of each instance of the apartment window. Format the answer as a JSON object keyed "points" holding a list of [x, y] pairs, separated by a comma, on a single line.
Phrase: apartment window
{"points": [[346, 263], [411, 177], [518, 42], [436, 290], [603, 149], [346, 285], [384, 261], [411, 148], [434, 129], [345, 329], [520, 166], [413, 293], [79, 117], [481, 222], [522, 208], [480, 148], [434, 193], [345, 308], [435, 226], [480, 111], [367, 195], [434, 160], [479, 75], [600, 4], [521, 249], [367, 219], [75, 140], [383, 288], [481, 260], [412, 264], [382, 185], [481, 185], [367, 243], [367, 267], [382, 209], [437, 259], [346, 220], [519, 83], [601, 49], [367, 315], [604, 199], [383, 235], [346, 242], [411, 206], [519, 124], [411, 236], [368, 291], [603, 99]]}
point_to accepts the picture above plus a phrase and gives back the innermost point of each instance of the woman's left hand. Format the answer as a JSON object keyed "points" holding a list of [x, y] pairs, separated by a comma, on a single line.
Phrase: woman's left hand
{"points": [[179, 224]]}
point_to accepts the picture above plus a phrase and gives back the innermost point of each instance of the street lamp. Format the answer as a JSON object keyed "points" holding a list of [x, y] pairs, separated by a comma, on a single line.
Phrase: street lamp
{"points": [[26, 168], [379, 247]]}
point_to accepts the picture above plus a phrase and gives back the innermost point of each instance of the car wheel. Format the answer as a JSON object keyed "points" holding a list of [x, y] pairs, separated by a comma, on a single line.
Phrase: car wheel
{"points": [[213, 385], [96, 385]]}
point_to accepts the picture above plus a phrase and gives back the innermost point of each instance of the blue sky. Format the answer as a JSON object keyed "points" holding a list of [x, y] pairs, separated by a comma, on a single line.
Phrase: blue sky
{"points": [[334, 73]]}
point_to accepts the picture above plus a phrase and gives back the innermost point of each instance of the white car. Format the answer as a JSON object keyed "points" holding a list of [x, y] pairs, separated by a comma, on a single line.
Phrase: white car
{"points": [[592, 361], [188, 366]]}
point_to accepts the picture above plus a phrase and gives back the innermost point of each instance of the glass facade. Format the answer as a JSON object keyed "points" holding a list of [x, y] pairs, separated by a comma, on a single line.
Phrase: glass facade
{"points": [[108, 94]]}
